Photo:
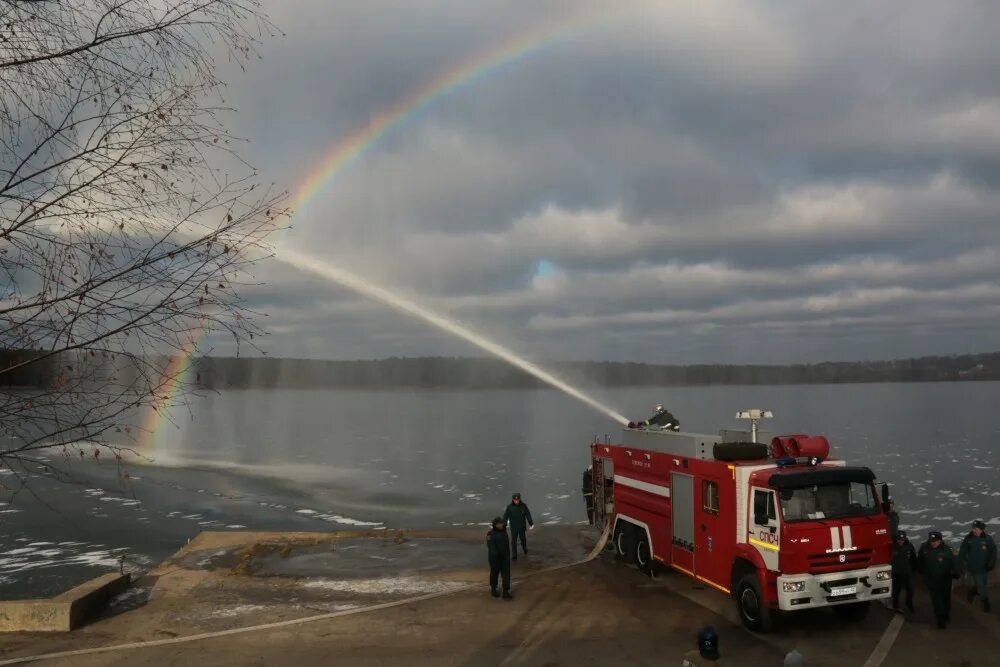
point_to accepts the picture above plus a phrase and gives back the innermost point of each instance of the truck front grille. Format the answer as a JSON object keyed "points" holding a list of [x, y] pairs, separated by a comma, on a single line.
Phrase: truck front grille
{"points": [[821, 563]]}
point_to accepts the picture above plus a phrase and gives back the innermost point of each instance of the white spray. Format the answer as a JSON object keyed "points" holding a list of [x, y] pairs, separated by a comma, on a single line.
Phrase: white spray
{"points": [[366, 288]]}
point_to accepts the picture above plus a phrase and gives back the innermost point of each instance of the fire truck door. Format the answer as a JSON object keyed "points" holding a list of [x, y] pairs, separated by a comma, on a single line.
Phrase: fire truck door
{"points": [[682, 521], [709, 561], [764, 529]]}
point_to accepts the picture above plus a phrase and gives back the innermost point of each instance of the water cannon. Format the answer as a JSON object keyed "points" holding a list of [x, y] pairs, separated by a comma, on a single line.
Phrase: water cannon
{"points": [[754, 415]]}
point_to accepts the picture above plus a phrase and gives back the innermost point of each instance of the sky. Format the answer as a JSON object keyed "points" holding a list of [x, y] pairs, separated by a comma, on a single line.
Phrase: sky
{"points": [[710, 182]]}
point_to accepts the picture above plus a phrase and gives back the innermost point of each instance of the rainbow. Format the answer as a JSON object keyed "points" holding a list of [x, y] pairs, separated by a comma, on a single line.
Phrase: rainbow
{"points": [[352, 148], [175, 376]]}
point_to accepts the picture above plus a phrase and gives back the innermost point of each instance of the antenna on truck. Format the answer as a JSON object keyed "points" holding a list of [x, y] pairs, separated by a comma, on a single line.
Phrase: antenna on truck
{"points": [[754, 416]]}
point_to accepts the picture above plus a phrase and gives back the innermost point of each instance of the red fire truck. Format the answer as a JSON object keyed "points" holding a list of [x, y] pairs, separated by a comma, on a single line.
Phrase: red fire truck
{"points": [[772, 522]]}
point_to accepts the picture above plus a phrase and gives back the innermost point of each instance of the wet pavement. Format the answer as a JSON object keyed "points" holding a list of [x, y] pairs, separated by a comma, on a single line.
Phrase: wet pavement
{"points": [[600, 612]]}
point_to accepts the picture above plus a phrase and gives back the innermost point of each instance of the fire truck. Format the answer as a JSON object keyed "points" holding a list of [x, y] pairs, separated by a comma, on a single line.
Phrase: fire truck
{"points": [[774, 522]]}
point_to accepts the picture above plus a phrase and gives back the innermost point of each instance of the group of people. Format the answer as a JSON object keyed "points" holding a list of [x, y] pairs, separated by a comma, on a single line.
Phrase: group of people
{"points": [[501, 549], [939, 566]]}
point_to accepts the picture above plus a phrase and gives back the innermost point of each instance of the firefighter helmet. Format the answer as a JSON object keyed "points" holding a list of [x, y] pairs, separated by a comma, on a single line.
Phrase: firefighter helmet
{"points": [[708, 642]]}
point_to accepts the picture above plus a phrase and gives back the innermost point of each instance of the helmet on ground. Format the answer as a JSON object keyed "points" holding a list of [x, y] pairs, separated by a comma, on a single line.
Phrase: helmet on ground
{"points": [[708, 642]]}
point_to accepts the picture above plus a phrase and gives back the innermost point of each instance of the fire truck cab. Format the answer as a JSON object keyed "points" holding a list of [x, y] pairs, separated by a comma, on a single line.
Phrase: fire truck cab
{"points": [[776, 525]]}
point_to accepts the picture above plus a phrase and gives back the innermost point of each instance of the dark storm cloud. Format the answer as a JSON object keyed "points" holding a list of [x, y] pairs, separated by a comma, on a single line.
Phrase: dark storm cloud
{"points": [[708, 182]]}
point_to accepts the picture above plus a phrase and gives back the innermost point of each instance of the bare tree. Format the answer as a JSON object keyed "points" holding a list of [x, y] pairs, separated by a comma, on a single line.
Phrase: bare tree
{"points": [[127, 221]]}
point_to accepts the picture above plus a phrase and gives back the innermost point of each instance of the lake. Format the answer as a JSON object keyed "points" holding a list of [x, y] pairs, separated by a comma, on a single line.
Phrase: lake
{"points": [[335, 459]]}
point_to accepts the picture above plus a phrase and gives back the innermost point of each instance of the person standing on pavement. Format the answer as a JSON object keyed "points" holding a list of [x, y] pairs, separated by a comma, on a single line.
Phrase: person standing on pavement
{"points": [[707, 652], [904, 562], [519, 517], [937, 562], [978, 556], [588, 492], [498, 547]]}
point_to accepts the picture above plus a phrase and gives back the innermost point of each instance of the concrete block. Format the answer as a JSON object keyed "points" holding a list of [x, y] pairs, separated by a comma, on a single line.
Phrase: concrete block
{"points": [[64, 612]]}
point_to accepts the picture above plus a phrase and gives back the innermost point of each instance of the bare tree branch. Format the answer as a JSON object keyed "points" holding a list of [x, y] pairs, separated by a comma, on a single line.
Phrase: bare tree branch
{"points": [[129, 225]]}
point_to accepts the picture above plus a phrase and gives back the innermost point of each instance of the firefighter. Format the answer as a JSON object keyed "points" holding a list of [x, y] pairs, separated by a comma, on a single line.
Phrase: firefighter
{"points": [[937, 562], [904, 561], [662, 418], [498, 548], [977, 556], [588, 492], [520, 520]]}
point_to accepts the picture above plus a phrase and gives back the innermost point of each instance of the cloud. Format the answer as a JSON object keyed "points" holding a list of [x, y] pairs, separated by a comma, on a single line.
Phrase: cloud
{"points": [[716, 181]]}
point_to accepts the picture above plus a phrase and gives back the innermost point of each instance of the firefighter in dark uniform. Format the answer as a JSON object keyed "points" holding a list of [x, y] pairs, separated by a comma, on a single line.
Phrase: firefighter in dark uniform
{"points": [[498, 547], [519, 517], [588, 492], [662, 418], [938, 564], [904, 562], [977, 556]]}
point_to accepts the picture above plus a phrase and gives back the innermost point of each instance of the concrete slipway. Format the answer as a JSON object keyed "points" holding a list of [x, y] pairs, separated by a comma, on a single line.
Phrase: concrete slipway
{"points": [[420, 598]]}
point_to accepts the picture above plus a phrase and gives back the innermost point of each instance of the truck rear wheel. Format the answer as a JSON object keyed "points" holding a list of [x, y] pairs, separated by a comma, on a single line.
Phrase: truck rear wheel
{"points": [[623, 541], [643, 557], [852, 613], [750, 603]]}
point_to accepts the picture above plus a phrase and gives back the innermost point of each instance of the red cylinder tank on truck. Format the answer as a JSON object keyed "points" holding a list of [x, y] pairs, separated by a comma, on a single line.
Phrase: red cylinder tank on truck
{"points": [[776, 524]]}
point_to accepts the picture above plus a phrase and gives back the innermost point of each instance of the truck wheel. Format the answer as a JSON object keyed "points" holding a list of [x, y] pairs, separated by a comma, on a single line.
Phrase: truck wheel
{"points": [[623, 541], [750, 603], [643, 558], [852, 613]]}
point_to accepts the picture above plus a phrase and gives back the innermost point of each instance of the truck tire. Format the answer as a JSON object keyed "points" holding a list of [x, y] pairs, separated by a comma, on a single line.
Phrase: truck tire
{"points": [[756, 616], [624, 550], [852, 613], [740, 451], [643, 556]]}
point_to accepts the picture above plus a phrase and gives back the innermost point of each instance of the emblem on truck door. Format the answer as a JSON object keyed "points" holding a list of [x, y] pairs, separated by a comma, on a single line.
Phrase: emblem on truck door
{"points": [[843, 558]]}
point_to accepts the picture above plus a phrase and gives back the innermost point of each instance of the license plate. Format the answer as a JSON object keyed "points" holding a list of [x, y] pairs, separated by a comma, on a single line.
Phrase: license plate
{"points": [[844, 590]]}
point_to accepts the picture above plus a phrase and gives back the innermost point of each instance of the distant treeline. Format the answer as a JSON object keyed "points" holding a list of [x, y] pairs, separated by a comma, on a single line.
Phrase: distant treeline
{"points": [[478, 373], [22, 368]]}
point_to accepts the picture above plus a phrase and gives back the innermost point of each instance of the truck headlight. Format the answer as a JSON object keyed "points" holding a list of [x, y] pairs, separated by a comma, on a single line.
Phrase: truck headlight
{"points": [[793, 586], [883, 575]]}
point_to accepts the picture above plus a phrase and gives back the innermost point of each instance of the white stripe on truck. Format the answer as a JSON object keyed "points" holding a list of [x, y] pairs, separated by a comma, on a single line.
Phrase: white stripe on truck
{"points": [[643, 486]]}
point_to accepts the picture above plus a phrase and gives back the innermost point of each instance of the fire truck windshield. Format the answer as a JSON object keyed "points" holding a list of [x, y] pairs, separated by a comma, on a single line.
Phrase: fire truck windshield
{"points": [[828, 501]]}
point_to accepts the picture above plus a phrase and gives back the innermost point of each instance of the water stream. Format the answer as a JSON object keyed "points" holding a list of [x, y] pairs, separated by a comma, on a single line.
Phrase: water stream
{"points": [[370, 290]]}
